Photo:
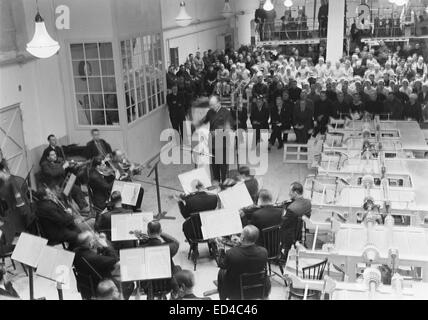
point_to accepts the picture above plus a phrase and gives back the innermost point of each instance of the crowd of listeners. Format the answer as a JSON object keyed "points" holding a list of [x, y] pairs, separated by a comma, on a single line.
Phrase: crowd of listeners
{"points": [[301, 93]]}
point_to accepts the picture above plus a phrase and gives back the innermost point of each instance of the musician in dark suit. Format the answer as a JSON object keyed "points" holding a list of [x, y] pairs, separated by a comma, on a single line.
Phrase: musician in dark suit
{"points": [[198, 201], [250, 182], [100, 184], [103, 220], [15, 208], [267, 215], [6, 287], [57, 225], [245, 258], [292, 220], [97, 146], [302, 121], [52, 147], [96, 258], [280, 119], [54, 173], [186, 282], [157, 238], [176, 108]]}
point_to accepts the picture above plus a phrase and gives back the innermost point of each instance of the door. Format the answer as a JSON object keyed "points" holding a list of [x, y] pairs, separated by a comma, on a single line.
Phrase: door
{"points": [[173, 57], [12, 140]]}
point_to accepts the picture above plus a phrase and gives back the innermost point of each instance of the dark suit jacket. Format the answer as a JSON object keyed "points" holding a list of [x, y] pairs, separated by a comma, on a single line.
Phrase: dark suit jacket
{"points": [[103, 221], [10, 291], [261, 115], [266, 217], [45, 154], [292, 221], [52, 172], [92, 150], [198, 202], [253, 188], [240, 260], [101, 189], [56, 224], [167, 239]]}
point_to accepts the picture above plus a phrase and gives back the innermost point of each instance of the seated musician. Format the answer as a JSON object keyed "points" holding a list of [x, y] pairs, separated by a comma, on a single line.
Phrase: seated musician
{"points": [[6, 288], [100, 183], [124, 171], [250, 182], [103, 222], [245, 258], [186, 282], [53, 146], [157, 238], [54, 171], [96, 258], [15, 207], [198, 201], [267, 215], [107, 290], [292, 219], [97, 146], [57, 223]]}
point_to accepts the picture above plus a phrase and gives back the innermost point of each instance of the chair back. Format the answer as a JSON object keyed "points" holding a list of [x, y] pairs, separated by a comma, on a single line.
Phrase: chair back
{"points": [[85, 284], [315, 272], [253, 285], [192, 228], [272, 241], [158, 288]]}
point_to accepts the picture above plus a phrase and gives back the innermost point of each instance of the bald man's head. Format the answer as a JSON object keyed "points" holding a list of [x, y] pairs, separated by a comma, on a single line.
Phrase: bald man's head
{"points": [[214, 102], [250, 234], [107, 290]]}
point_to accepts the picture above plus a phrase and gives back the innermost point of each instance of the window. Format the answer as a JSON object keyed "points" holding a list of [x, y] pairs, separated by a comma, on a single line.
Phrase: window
{"points": [[143, 75], [95, 84]]}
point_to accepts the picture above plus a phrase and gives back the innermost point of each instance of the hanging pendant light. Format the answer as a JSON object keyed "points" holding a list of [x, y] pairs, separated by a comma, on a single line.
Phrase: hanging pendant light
{"points": [[183, 19], [227, 10], [268, 6], [401, 2], [288, 3], [42, 45]]}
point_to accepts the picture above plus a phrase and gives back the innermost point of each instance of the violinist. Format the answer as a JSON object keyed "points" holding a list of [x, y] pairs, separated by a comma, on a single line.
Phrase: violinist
{"points": [[100, 182], [54, 171], [198, 201], [267, 215], [97, 146], [53, 146]]}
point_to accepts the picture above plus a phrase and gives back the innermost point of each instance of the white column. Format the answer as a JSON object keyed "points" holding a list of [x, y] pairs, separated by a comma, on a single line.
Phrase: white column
{"points": [[336, 16]]}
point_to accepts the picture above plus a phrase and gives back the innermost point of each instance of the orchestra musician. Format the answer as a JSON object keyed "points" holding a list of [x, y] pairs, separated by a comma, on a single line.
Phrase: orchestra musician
{"points": [[101, 181], [124, 171], [54, 171], [267, 215], [292, 219], [250, 182], [57, 222], [103, 221], [53, 146], [15, 210], [198, 201], [244, 258], [97, 146]]}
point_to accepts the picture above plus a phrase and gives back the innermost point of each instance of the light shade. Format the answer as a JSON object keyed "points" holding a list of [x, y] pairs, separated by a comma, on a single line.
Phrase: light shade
{"points": [[183, 19], [268, 6], [400, 2], [288, 3], [227, 10], [42, 45]]}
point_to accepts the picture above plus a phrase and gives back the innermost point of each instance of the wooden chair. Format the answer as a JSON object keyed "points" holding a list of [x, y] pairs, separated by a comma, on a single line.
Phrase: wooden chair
{"points": [[157, 289], [272, 242], [193, 233], [314, 272], [253, 286]]}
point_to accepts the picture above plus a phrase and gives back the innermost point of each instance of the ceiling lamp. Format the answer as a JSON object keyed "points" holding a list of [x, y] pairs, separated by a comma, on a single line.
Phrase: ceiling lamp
{"points": [[268, 6], [183, 19], [42, 45], [288, 3], [227, 10], [400, 2]]}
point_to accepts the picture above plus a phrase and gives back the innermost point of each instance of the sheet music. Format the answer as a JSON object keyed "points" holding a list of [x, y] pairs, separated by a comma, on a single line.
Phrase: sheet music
{"points": [[28, 249], [188, 179], [128, 190], [124, 223], [220, 223], [55, 264], [69, 185], [236, 197], [145, 263]]}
